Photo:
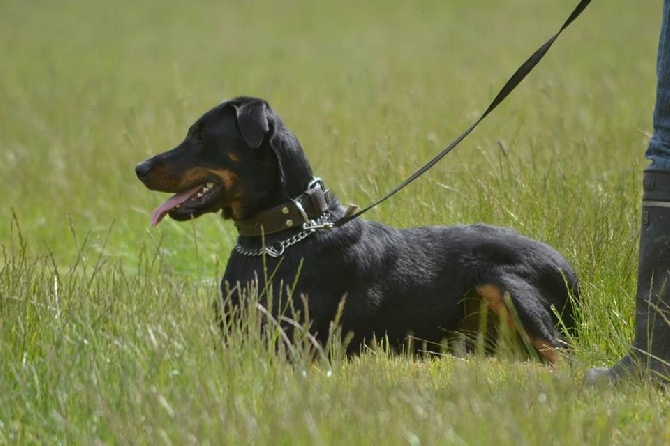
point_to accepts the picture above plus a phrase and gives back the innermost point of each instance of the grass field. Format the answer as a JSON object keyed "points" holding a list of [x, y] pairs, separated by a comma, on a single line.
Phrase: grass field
{"points": [[105, 332]]}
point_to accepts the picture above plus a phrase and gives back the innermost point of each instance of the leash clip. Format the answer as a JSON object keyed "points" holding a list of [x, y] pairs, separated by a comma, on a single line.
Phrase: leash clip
{"points": [[273, 251], [313, 226]]}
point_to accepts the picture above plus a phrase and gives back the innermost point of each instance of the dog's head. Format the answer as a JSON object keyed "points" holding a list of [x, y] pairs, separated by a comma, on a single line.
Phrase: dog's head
{"points": [[237, 158]]}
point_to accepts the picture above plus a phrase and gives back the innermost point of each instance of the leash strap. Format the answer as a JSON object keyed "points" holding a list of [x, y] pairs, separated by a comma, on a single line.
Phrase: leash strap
{"points": [[509, 86]]}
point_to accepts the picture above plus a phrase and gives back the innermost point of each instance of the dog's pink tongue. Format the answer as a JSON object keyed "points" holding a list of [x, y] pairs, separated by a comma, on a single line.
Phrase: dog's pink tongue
{"points": [[162, 210]]}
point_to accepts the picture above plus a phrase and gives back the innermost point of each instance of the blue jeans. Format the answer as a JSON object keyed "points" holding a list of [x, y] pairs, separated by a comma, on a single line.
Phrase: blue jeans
{"points": [[659, 145]]}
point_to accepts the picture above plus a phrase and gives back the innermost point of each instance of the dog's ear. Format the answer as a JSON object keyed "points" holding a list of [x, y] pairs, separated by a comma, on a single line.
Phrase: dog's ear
{"points": [[252, 122]]}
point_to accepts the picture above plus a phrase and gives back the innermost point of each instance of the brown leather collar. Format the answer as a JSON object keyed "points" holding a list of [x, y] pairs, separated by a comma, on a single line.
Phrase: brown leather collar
{"points": [[306, 208]]}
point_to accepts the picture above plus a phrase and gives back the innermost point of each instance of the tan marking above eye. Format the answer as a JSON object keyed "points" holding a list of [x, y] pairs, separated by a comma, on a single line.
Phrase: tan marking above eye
{"points": [[233, 156]]}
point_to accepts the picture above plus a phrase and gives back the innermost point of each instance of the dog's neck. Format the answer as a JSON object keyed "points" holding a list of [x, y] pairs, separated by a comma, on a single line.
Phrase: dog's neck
{"points": [[308, 210]]}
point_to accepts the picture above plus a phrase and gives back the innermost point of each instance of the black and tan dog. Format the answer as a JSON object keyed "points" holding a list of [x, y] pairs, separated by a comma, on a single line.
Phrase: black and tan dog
{"points": [[415, 283]]}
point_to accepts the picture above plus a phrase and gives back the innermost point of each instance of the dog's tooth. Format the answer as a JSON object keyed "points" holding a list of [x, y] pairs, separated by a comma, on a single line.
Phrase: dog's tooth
{"points": [[199, 194], [210, 185]]}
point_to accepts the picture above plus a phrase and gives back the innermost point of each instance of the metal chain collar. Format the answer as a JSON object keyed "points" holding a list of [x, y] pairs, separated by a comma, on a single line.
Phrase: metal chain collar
{"points": [[276, 249]]}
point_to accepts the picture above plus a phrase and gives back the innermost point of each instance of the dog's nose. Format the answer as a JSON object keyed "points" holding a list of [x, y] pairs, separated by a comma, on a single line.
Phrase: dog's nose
{"points": [[142, 169]]}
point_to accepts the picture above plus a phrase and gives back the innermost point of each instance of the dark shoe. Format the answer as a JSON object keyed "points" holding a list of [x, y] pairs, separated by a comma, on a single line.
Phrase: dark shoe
{"points": [[649, 356]]}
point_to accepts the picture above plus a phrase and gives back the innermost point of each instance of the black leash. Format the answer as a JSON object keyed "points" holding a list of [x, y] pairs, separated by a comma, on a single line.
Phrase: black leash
{"points": [[510, 85]]}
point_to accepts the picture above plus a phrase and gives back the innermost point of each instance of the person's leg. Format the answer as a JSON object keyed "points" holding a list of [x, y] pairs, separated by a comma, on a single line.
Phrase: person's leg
{"points": [[649, 356], [659, 145]]}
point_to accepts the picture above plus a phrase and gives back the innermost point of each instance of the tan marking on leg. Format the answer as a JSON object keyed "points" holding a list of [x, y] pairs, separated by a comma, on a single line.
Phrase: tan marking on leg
{"points": [[547, 351], [493, 295]]}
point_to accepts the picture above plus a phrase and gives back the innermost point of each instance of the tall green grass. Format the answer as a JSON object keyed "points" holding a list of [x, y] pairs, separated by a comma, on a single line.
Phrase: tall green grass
{"points": [[106, 326]]}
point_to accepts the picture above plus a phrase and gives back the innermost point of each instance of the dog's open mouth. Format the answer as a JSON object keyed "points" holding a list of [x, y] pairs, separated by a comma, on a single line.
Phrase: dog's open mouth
{"points": [[187, 204]]}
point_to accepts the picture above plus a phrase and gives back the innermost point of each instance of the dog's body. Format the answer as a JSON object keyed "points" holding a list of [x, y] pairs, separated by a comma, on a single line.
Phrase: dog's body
{"points": [[396, 283]]}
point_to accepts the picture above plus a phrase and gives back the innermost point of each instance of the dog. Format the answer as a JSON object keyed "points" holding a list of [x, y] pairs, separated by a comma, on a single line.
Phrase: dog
{"points": [[418, 286]]}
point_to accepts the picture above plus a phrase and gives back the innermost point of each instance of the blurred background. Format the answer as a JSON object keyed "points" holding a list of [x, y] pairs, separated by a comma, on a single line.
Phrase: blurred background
{"points": [[372, 89]]}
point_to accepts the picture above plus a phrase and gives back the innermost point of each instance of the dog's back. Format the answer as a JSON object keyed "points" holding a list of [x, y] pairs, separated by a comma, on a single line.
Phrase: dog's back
{"points": [[416, 283]]}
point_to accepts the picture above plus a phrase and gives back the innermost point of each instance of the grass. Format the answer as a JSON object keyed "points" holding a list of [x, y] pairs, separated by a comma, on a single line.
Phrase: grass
{"points": [[106, 332]]}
